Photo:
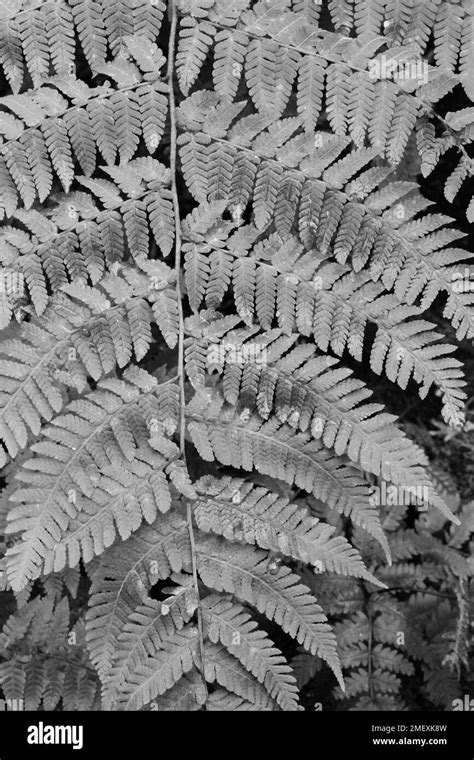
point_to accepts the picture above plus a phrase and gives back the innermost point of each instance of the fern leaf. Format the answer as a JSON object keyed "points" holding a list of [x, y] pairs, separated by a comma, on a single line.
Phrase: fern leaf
{"points": [[244, 572], [120, 579], [51, 354], [229, 54], [222, 700], [161, 670], [60, 36], [234, 509], [35, 49], [338, 79], [224, 669], [186, 695], [360, 107], [310, 90], [194, 41], [229, 624], [447, 32], [368, 16], [466, 55], [90, 26], [11, 54], [276, 450], [81, 137], [81, 440], [274, 151], [341, 15], [147, 629]]}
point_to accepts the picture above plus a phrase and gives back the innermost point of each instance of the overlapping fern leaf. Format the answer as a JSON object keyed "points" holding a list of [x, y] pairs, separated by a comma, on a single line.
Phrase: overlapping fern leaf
{"points": [[46, 663], [422, 633], [209, 236]]}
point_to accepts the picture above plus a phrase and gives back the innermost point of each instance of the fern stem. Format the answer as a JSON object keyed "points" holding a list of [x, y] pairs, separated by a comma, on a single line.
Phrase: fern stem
{"points": [[459, 654], [14, 14], [369, 649], [177, 224]]}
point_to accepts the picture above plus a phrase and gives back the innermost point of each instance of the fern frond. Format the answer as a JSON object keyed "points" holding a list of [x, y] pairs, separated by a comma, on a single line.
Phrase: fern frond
{"points": [[162, 669], [187, 694], [49, 256], [224, 701], [327, 307], [51, 138], [120, 580], [385, 235], [195, 39], [312, 393], [237, 438], [229, 624], [281, 597], [241, 512], [194, 465], [41, 40], [147, 630], [52, 354], [80, 455], [57, 670], [224, 669]]}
